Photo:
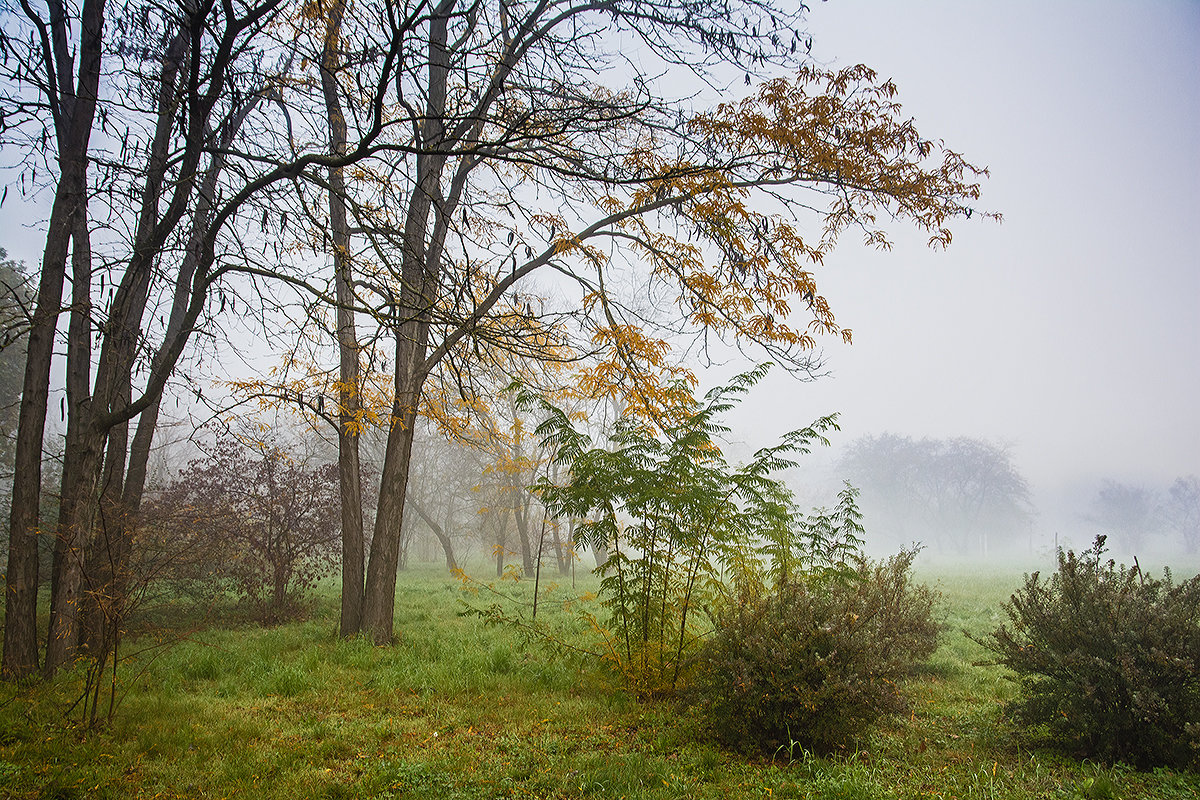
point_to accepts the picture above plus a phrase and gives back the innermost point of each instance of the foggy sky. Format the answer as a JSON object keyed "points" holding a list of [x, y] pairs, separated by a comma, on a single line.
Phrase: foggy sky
{"points": [[1071, 329]]}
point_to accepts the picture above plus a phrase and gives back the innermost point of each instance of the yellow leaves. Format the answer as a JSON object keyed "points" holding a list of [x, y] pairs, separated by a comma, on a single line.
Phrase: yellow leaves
{"points": [[634, 368], [842, 130], [566, 245], [610, 204], [633, 343]]}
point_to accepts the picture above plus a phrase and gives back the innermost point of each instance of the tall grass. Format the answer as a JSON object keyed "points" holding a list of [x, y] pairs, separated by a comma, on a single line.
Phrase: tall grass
{"points": [[457, 709]]}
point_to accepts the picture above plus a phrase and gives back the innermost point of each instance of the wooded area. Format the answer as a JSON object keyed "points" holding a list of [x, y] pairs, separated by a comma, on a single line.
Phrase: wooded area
{"points": [[375, 186]]}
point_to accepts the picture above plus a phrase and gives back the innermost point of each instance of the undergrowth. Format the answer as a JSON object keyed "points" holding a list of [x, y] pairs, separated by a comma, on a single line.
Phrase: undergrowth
{"points": [[459, 710]]}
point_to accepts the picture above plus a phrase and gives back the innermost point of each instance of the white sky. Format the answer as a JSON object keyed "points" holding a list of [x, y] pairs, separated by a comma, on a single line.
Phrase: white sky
{"points": [[1072, 329]]}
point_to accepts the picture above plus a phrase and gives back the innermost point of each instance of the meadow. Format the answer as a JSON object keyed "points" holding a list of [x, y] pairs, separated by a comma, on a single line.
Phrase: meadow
{"points": [[461, 709]]}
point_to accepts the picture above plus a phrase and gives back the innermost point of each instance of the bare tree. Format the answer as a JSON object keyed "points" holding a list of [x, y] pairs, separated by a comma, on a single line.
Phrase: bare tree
{"points": [[1182, 510], [958, 494]]}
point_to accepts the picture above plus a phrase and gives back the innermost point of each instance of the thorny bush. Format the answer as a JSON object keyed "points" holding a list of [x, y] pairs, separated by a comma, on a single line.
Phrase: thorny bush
{"points": [[818, 659], [1108, 660]]}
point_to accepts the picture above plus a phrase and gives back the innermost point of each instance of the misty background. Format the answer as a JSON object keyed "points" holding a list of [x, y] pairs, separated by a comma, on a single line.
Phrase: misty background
{"points": [[1069, 333], [1067, 337]]}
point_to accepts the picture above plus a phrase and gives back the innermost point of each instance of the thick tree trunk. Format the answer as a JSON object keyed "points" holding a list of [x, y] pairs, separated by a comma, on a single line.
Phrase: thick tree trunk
{"points": [[76, 110], [380, 590], [420, 274]]}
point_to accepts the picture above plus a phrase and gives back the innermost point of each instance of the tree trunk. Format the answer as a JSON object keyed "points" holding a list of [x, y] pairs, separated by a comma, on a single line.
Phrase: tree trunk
{"points": [[349, 403], [439, 532], [521, 513], [113, 380], [600, 552], [559, 554], [76, 110], [69, 542], [501, 547], [21, 585], [380, 595]]}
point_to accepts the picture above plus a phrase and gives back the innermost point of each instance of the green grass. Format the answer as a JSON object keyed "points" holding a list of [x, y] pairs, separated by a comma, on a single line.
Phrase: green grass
{"points": [[458, 709]]}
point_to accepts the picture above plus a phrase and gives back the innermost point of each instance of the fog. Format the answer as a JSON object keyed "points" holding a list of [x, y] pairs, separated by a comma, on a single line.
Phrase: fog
{"points": [[1069, 332]]}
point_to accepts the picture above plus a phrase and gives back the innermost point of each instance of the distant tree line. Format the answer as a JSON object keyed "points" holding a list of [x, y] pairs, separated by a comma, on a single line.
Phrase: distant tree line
{"points": [[960, 496], [1133, 517]]}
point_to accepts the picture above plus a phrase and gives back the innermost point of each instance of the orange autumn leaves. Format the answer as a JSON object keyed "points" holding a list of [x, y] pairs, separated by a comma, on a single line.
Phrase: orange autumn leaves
{"points": [[733, 214], [737, 247]]}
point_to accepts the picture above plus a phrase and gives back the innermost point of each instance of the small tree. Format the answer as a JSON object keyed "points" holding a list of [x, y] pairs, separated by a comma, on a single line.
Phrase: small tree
{"points": [[1182, 510], [1125, 513], [275, 517], [681, 525]]}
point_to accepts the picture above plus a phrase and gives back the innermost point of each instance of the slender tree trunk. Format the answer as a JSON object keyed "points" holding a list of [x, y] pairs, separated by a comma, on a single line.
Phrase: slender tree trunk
{"points": [[349, 403], [439, 532], [521, 513], [69, 544], [21, 585], [557, 538], [559, 555], [501, 548], [600, 553]]}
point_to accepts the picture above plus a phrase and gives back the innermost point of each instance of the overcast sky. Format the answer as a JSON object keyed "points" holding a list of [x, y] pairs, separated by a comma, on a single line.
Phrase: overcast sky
{"points": [[1072, 329]]}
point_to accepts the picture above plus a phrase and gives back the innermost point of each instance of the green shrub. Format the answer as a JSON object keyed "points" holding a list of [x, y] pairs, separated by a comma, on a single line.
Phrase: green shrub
{"points": [[1107, 659], [816, 661]]}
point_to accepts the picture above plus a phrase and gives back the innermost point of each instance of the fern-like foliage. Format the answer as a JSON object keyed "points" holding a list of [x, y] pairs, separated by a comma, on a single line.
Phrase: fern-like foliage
{"points": [[681, 524]]}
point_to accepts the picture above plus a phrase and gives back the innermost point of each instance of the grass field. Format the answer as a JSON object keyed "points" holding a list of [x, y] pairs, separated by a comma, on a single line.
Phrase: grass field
{"points": [[460, 710]]}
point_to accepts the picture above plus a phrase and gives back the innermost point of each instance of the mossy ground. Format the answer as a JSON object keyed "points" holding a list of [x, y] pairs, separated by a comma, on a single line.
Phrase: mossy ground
{"points": [[458, 709]]}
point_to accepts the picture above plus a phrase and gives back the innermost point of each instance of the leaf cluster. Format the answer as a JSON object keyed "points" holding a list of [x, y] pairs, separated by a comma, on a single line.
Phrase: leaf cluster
{"points": [[1108, 660]]}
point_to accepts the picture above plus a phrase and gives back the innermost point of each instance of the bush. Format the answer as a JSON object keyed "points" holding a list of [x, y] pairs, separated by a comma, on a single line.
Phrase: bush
{"points": [[254, 514], [1107, 660], [816, 661]]}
